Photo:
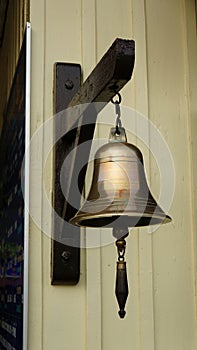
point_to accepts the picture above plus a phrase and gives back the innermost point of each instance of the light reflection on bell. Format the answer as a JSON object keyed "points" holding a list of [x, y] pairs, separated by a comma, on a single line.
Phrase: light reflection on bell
{"points": [[119, 195]]}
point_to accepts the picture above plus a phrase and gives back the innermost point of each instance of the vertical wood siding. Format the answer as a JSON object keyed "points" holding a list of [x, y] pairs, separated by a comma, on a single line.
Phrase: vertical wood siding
{"points": [[161, 309]]}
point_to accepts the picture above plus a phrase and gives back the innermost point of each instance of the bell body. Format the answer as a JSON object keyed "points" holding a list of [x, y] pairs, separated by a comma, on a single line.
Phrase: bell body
{"points": [[119, 195]]}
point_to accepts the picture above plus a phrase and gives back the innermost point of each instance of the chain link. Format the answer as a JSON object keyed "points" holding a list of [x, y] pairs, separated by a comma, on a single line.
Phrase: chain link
{"points": [[118, 101], [121, 246]]}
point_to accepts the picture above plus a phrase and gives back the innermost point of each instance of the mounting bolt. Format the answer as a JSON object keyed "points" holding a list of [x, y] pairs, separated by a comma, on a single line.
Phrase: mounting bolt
{"points": [[69, 84], [66, 255]]}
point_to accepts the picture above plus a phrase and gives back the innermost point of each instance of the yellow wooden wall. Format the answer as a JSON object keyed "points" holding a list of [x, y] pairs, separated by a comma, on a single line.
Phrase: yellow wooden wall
{"points": [[161, 309]]}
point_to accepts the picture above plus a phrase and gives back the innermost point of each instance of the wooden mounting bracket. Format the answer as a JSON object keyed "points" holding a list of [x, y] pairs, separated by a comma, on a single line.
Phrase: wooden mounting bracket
{"points": [[108, 77]]}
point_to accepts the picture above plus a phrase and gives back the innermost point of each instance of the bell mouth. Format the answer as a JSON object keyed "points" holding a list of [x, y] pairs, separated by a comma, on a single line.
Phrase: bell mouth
{"points": [[112, 221]]}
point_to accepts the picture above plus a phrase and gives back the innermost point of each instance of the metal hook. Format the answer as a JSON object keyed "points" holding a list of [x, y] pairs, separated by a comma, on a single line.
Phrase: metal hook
{"points": [[117, 101]]}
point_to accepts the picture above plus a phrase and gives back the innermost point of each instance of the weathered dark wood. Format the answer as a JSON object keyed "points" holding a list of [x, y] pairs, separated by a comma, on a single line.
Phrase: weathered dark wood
{"points": [[65, 259], [109, 76]]}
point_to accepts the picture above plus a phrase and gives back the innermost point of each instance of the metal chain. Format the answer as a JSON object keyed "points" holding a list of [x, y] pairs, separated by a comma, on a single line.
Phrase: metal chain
{"points": [[117, 111]]}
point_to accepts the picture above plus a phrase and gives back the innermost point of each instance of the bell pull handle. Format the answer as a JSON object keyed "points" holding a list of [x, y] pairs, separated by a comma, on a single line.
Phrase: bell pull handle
{"points": [[122, 290]]}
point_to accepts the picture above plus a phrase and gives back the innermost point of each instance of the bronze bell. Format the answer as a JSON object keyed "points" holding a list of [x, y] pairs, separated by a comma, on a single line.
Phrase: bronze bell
{"points": [[119, 194], [119, 197]]}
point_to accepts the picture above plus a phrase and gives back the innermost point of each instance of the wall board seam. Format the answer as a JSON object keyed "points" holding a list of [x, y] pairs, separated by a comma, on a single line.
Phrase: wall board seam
{"points": [[93, 260], [145, 241], [187, 20]]}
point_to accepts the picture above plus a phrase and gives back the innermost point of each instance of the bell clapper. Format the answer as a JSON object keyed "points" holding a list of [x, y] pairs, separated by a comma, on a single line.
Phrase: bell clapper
{"points": [[122, 290]]}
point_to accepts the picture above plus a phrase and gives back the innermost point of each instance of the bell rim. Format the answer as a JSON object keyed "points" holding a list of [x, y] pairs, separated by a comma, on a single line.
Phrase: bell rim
{"points": [[76, 220]]}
